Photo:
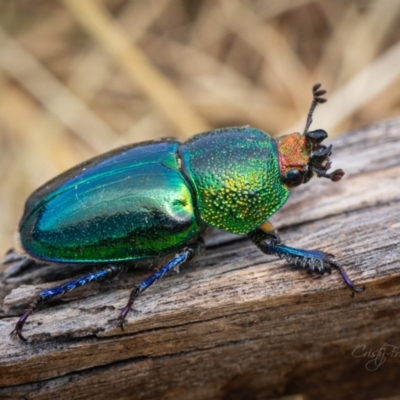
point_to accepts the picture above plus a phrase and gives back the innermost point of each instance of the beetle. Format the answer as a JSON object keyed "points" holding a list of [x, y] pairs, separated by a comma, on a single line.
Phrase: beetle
{"points": [[155, 199]]}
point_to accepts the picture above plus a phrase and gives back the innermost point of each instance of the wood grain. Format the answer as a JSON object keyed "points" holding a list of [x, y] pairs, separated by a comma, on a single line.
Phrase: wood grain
{"points": [[235, 323]]}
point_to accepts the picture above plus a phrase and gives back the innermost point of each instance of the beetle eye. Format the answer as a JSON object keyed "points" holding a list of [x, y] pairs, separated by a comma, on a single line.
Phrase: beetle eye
{"points": [[293, 177]]}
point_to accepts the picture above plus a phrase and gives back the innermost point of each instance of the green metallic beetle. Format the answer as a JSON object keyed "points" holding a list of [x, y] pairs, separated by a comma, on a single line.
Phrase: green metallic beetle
{"points": [[156, 199]]}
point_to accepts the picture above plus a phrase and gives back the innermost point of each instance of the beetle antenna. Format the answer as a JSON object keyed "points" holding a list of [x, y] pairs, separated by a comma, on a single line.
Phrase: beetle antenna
{"points": [[317, 99], [334, 176]]}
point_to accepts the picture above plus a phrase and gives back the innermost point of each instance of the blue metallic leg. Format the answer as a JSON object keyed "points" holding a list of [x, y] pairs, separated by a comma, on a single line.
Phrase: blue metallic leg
{"points": [[185, 255], [313, 260], [46, 294]]}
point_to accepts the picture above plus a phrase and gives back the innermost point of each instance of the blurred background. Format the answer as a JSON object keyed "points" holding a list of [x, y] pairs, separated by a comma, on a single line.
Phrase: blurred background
{"points": [[81, 77]]}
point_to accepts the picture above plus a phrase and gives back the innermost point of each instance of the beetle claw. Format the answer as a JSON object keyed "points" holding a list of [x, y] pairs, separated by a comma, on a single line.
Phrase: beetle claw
{"points": [[17, 333], [120, 323], [122, 317], [347, 280], [326, 262], [21, 322]]}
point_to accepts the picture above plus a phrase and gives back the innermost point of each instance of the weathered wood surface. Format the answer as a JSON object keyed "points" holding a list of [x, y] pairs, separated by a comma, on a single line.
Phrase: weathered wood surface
{"points": [[236, 323]]}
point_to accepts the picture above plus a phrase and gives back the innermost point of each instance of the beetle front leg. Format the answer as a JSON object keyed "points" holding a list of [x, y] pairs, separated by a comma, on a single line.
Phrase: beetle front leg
{"points": [[185, 255], [47, 294], [315, 261]]}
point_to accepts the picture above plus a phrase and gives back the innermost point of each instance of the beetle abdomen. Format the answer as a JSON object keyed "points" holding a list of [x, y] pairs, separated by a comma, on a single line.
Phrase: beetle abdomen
{"points": [[236, 176], [128, 204]]}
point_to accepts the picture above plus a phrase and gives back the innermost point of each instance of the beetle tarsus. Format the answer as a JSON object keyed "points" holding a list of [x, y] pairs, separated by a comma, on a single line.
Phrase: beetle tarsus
{"points": [[17, 332], [347, 280], [314, 261], [21, 322], [125, 311]]}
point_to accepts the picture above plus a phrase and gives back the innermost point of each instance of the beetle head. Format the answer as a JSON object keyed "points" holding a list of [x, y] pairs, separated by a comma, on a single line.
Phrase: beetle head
{"points": [[302, 155]]}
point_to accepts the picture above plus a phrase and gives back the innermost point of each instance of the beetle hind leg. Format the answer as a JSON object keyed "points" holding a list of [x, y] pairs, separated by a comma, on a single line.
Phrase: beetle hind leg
{"points": [[45, 295], [187, 254], [314, 261]]}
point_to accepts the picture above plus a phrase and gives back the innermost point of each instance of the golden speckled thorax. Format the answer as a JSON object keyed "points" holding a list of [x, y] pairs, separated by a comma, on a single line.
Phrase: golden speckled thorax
{"points": [[235, 174]]}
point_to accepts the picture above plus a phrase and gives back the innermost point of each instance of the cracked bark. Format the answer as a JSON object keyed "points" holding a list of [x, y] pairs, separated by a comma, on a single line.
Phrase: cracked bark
{"points": [[235, 323]]}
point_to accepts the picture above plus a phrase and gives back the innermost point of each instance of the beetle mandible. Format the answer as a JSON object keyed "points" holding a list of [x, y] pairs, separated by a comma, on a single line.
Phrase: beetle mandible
{"points": [[156, 199]]}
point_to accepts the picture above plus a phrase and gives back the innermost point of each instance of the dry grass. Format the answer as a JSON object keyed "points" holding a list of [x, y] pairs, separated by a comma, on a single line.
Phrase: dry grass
{"points": [[80, 77]]}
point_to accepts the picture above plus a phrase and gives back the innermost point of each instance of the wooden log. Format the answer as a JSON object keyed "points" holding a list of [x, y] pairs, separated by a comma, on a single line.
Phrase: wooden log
{"points": [[236, 323]]}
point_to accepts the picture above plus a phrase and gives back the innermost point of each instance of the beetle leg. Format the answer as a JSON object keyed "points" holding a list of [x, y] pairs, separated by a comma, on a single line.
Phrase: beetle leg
{"points": [[185, 255], [46, 294], [315, 261]]}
